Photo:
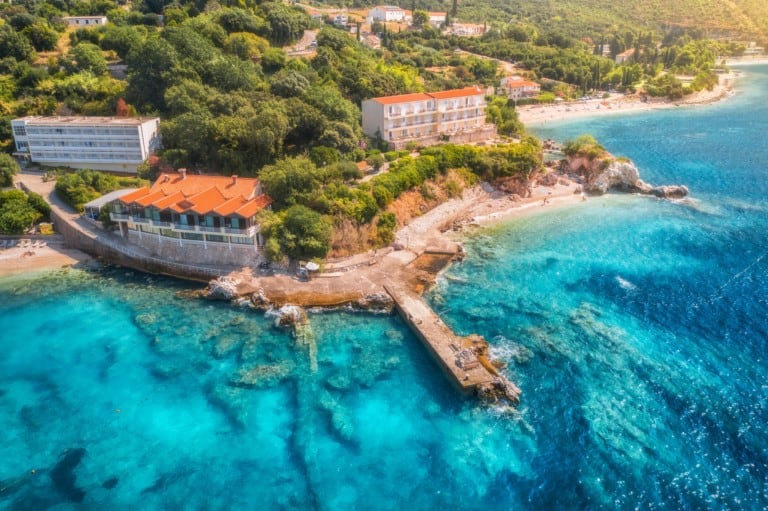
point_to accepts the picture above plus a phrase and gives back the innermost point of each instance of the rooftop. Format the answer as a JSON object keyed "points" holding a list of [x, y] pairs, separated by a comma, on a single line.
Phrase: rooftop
{"points": [[222, 195], [457, 93], [86, 120], [402, 98], [424, 96], [108, 197]]}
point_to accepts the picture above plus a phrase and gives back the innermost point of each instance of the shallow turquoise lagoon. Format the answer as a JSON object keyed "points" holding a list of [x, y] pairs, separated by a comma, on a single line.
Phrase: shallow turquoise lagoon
{"points": [[636, 328]]}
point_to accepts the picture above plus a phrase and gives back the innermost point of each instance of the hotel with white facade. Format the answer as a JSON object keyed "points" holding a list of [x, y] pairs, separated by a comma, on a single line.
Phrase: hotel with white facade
{"points": [[115, 144], [428, 118]]}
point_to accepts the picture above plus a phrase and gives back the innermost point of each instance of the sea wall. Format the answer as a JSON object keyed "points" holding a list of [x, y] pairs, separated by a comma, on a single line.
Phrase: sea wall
{"points": [[80, 238], [182, 251]]}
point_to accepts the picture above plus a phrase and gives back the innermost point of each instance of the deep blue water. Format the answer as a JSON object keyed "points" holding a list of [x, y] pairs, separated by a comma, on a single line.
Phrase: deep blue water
{"points": [[636, 328]]}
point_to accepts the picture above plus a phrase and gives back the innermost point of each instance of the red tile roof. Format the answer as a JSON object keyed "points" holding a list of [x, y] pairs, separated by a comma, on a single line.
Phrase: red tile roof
{"points": [[457, 93], [202, 195], [402, 98], [446, 94], [522, 83]]}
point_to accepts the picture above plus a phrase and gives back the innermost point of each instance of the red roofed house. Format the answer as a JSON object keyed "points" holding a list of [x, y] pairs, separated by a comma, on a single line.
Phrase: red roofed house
{"points": [[189, 218], [517, 87], [427, 118]]}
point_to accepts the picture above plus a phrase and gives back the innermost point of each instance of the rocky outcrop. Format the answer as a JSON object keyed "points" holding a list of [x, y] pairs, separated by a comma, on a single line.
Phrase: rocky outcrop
{"points": [[670, 192], [376, 302], [608, 173], [223, 288], [289, 316]]}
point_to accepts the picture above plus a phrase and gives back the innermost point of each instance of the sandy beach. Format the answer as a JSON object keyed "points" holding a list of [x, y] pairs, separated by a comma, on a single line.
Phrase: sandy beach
{"points": [[38, 259], [620, 104]]}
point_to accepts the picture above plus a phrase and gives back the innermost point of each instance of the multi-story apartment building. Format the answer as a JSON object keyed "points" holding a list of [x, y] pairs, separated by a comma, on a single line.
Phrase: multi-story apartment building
{"points": [[191, 218], [428, 118], [116, 144]]}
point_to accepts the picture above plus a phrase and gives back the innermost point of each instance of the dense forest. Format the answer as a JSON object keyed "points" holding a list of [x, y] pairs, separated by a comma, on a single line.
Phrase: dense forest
{"points": [[232, 99]]}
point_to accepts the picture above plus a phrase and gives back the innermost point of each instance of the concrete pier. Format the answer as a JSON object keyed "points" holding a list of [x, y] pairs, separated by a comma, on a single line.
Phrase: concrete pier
{"points": [[457, 356]]}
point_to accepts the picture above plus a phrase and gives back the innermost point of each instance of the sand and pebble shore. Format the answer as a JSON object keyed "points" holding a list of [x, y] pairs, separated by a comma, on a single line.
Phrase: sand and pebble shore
{"points": [[31, 256], [621, 104]]}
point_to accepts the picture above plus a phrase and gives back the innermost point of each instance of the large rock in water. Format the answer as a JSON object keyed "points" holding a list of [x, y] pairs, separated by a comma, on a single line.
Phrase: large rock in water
{"points": [[604, 174], [617, 175], [289, 315], [670, 192], [223, 288]]}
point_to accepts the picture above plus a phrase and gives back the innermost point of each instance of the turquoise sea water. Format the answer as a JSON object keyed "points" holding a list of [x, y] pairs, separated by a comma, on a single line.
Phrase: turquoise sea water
{"points": [[636, 328]]}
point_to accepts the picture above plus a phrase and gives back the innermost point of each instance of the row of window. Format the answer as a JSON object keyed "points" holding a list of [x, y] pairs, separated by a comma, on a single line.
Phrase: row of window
{"points": [[430, 107], [53, 155], [81, 143], [102, 132], [444, 118]]}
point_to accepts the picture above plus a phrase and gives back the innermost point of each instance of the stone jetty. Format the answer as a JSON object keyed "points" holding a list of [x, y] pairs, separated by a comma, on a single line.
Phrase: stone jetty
{"points": [[464, 360]]}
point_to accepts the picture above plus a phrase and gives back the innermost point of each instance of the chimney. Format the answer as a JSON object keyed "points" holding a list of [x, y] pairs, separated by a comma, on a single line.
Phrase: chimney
{"points": [[166, 178], [234, 179], [183, 173]]}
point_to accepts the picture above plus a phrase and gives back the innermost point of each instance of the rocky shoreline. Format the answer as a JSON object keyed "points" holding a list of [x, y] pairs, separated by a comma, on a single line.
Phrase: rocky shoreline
{"points": [[601, 175]]}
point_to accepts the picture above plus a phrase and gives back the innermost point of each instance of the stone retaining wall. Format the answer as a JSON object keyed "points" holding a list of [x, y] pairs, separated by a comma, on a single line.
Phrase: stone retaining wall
{"points": [[181, 251]]}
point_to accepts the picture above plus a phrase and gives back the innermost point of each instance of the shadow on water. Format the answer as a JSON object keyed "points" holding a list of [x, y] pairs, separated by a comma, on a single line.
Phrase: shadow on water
{"points": [[63, 475]]}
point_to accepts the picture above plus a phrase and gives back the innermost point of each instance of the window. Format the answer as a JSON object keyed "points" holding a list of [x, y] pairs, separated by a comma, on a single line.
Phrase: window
{"points": [[20, 129]]}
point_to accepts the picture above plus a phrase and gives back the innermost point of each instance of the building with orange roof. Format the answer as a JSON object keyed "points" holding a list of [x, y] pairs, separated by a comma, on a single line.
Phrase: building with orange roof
{"points": [[427, 118], [187, 217], [517, 87]]}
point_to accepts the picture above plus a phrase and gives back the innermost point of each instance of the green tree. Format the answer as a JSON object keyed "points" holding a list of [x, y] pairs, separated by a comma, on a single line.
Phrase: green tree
{"points": [[8, 168], [16, 213], [86, 57], [153, 66], [42, 36], [288, 180], [15, 45], [420, 18], [306, 234]]}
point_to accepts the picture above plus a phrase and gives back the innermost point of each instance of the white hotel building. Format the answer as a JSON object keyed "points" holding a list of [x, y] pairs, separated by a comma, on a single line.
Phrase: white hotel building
{"points": [[428, 118], [115, 144]]}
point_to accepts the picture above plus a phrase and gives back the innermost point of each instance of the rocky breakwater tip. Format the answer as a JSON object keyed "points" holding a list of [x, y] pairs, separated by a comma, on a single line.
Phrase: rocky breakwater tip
{"points": [[605, 173], [499, 390]]}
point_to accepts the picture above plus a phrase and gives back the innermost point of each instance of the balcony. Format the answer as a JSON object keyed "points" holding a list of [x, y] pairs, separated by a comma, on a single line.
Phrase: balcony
{"points": [[250, 231], [460, 108]]}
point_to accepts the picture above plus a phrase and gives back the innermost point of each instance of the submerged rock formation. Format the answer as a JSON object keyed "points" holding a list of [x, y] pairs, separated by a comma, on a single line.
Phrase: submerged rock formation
{"points": [[608, 173]]}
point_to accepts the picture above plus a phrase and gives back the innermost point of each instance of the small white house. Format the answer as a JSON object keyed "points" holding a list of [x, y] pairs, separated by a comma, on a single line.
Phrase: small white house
{"points": [[517, 87], [387, 13], [625, 56], [86, 21], [437, 19]]}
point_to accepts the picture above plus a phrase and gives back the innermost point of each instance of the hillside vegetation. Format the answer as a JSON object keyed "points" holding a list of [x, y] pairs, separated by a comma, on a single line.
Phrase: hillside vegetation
{"points": [[590, 18]]}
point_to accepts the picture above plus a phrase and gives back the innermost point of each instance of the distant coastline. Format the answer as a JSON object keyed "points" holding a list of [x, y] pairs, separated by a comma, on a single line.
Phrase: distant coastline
{"points": [[618, 104], [747, 61]]}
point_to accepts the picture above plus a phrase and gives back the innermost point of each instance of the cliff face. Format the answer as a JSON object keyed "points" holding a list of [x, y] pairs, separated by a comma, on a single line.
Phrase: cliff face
{"points": [[604, 174]]}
